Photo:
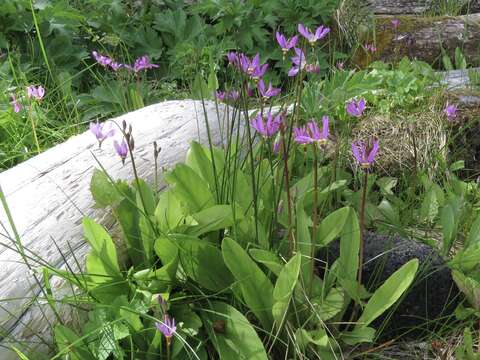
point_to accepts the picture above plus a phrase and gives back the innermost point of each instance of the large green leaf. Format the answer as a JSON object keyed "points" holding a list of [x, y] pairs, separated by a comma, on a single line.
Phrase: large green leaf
{"points": [[267, 258], [238, 339], [190, 188], [102, 259], [286, 282], [198, 160], [256, 288], [388, 293], [332, 226], [103, 191], [213, 218], [349, 254], [202, 262]]}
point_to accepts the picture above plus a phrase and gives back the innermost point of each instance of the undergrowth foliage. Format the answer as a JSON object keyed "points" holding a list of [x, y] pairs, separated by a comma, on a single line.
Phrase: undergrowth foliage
{"points": [[222, 263]]}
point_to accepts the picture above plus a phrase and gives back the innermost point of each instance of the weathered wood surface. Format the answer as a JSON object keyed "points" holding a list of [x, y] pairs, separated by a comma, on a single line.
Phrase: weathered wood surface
{"points": [[423, 38], [49, 194], [401, 7]]}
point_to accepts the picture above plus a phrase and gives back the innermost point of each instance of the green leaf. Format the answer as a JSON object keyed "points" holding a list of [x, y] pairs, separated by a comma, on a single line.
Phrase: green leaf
{"points": [[430, 204], [20, 355], [267, 258], [358, 335], [349, 252], [318, 337], [286, 282], [103, 191], [198, 160], [469, 286], [238, 340], [203, 262], [256, 288], [102, 259], [190, 188], [169, 212], [474, 234], [213, 218], [70, 343], [447, 219], [331, 305], [332, 225], [388, 293]]}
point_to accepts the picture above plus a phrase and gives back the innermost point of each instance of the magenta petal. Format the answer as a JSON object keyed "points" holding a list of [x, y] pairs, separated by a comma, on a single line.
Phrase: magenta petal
{"points": [[356, 151], [325, 127], [361, 105], [373, 152], [293, 71]]}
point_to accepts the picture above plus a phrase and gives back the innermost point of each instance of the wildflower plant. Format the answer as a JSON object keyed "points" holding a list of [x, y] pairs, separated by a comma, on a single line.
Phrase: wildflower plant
{"points": [[238, 227]]}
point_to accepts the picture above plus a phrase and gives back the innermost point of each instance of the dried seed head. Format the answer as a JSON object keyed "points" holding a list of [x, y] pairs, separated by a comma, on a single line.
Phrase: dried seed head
{"points": [[124, 125]]}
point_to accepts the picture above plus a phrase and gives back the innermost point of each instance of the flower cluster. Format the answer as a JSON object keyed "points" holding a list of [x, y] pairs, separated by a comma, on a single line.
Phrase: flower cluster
{"points": [[167, 328], [269, 126], [33, 92], [141, 63], [311, 133], [227, 95]]}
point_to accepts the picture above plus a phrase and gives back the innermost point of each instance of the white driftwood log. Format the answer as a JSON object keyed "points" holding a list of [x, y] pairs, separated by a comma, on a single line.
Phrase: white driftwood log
{"points": [[49, 194]]}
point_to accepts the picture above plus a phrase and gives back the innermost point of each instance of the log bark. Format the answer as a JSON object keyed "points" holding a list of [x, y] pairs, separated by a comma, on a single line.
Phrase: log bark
{"points": [[49, 194], [423, 38], [402, 7]]}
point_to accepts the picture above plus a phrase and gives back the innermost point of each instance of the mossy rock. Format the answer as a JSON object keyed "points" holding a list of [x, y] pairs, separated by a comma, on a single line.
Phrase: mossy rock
{"points": [[422, 38]]}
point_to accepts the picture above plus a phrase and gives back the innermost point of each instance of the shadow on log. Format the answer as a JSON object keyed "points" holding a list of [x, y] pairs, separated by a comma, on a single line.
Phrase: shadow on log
{"points": [[423, 38], [49, 194]]}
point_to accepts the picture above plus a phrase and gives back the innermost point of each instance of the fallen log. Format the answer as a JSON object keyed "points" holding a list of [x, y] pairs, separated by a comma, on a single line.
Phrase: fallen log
{"points": [[49, 194], [402, 7], [423, 38]]}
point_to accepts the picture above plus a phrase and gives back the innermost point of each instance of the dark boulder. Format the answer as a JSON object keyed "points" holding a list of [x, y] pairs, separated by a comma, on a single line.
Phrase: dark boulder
{"points": [[428, 303]]}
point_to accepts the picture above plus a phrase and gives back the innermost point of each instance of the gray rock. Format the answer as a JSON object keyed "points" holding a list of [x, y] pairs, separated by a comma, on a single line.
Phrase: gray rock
{"points": [[430, 300]]}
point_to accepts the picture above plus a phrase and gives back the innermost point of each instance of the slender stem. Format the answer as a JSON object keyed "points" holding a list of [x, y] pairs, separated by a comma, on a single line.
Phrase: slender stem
{"points": [[315, 213], [362, 226], [289, 198], [34, 128], [168, 350]]}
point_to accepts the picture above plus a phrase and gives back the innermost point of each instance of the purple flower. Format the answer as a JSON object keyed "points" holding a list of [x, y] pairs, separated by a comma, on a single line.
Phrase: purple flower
{"points": [[286, 44], [100, 133], [365, 154], [267, 92], [233, 95], [340, 65], [121, 149], [276, 145], [102, 59], [142, 63], [233, 59], [268, 128], [450, 111], [355, 108], [370, 47], [312, 133], [167, 327], [115, 65], [252, 67], [299, 62], [395, 23], [312, 68], [312, 38], [15, 104], [36, 92], [220, 95]]}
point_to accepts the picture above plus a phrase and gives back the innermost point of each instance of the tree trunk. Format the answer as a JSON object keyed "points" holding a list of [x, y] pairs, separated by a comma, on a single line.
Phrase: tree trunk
{"points": [[423, 38]]}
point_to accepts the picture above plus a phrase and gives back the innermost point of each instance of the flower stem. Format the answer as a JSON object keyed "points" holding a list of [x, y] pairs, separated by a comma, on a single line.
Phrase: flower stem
{"points": [[34, 129], [362, 227], [287, 190], [315, 214]]}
